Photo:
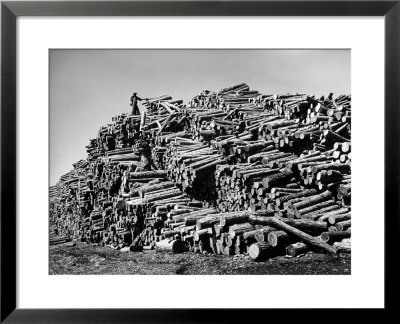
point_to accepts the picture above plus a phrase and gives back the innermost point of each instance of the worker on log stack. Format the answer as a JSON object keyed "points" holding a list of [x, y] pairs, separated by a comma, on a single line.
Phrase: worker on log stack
{"points": [[144, 150], [134, 104]]}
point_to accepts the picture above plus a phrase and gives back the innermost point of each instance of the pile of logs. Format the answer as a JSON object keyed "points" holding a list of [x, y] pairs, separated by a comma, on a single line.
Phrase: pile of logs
{"points": [[55, 238], [249, 187], [97, 200], [259, 234], [236, 172], [191, 165]]}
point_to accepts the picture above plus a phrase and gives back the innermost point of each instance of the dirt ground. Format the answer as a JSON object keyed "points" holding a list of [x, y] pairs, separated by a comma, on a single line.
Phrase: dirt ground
{"points": [[85, 259]]}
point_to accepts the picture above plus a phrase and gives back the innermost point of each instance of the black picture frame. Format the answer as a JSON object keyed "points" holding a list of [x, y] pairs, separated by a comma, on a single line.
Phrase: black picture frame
{"points": [[10, 10]]}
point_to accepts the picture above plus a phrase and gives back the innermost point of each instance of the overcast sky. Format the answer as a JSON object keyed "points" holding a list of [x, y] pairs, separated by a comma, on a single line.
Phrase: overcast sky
{"points": [[89, 87]]}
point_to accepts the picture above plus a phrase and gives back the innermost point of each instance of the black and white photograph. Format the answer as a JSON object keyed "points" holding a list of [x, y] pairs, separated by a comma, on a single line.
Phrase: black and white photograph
{"points": [[199, 162]]}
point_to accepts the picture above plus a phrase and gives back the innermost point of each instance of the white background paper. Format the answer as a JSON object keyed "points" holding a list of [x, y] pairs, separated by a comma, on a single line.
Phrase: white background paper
{"points": [[363, 288]]}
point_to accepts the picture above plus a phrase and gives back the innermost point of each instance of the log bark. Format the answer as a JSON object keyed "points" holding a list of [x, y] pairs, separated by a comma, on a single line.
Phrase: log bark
{"points": [[202, 212], [163, 195], [325, 217], [148, 174], [149, 188], [331, 166], [258, 232], [201, 234], [333, 219], [263, 251], [296, 249], [311, 200], [174, 246], [171, 233], [315, 215], [239, 229], [344, 246], [260, 220], [262, 235], [280, 238], [207, 221], [330, 237], [274, 179], [309, 226], [308, 192], [300, 212], [342, 226], [227, 219]]}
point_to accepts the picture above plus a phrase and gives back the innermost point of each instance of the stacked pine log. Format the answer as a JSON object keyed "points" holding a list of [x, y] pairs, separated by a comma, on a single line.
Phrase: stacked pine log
{"points": [[207, 124], [191, 165], [225, 98], [238, 172], [308, 109], [162, 141], [327, 118], [249, 187]]}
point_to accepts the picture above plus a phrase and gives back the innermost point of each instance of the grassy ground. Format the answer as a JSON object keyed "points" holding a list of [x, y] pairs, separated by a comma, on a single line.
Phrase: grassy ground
{"points": [[85, 259]]}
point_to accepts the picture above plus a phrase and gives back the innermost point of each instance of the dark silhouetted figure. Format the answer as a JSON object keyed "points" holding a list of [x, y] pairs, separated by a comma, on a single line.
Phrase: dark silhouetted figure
{"points": [[145, 155], [134, 104]]}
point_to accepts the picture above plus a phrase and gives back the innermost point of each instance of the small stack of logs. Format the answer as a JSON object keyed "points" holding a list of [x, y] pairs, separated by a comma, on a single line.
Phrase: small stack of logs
{"points": [[191, 165], [249, 187]]}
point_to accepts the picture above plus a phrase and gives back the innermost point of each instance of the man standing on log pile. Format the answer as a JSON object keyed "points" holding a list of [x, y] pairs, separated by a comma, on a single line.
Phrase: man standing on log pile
{"points": [[134, 104], [145, 155]]}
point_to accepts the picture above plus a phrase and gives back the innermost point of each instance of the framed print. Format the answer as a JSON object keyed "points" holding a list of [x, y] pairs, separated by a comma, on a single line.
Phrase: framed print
{"points": [[162, 159]]}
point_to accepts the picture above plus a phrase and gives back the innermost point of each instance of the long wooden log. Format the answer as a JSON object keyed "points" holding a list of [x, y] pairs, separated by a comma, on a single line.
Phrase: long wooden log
{"points": [[260, 220], [274, 179], [333, 219], [193, 214], [335, 137], [300, 212], [164, 195], [331, 166], [308, 239], [325, 217], [148, 174], [207, 167], [311, 200], [207, 221], [239, 229], [192, 220], [315, 215], [309, 226], [308, 192], [149, 188], [227, 219]]}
